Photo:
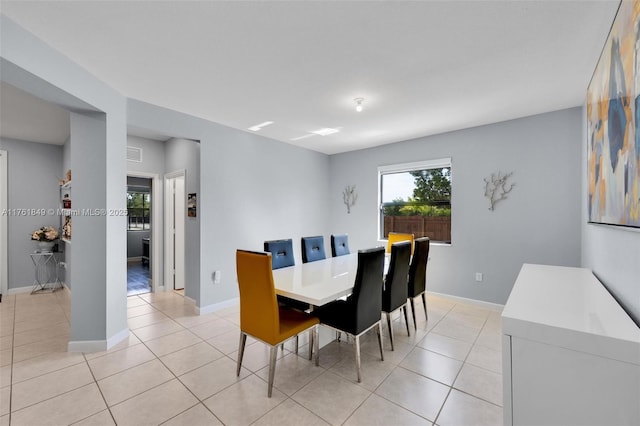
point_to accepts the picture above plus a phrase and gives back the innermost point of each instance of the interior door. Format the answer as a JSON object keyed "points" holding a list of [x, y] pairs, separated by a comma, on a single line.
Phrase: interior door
{"points": [[175, 214], [179, 215]]}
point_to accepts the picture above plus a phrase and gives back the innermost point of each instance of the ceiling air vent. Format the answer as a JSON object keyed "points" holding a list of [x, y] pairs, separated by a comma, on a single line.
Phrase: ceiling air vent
{"points": [[134, 154]]}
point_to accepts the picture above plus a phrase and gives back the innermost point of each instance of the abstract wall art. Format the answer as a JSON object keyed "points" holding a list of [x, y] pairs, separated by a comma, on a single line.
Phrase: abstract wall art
{"points": [[613, 120]]}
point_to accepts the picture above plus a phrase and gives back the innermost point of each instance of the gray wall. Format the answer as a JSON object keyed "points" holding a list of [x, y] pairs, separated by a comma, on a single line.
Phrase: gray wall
{"points": [[152, 155], [611, 252], [251, 189], [99, 172], [257, 189], [33, 173], [538, 223], [184, 154]]}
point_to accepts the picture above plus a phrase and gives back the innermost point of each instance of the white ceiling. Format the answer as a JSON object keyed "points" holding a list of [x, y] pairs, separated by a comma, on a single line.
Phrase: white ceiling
{"points": [[423, 67], [28, 118]]}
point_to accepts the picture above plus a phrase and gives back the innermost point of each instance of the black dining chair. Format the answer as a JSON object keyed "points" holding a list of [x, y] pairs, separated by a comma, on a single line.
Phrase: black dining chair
{"points": [[361, 311], [312, 249], [395, 291], [339, 245], [418, 276]]}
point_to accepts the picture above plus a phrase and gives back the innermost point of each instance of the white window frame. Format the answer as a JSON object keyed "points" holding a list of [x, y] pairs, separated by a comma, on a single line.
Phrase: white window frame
{"points": [[149, 208], [400, 168]]}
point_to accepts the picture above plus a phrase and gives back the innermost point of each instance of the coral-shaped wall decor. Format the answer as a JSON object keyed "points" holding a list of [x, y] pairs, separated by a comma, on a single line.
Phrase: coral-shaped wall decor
{"points": [[496, 187], [349, 196]]}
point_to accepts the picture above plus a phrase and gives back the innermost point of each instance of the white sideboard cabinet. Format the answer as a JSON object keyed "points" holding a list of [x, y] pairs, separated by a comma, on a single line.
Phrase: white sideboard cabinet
{"points": [[570, 353]]}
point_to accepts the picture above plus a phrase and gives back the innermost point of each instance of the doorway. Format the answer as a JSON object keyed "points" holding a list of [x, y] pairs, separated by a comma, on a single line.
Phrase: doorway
{"points": [[175, 216], [139, 227]]}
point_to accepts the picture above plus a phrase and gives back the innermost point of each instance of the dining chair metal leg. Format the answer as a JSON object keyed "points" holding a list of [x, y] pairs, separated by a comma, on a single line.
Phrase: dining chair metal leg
{"points": [[296, 344], [316, 343], [311, 343], [272, 368], [379, 330], [243, 341], [424, 303], [406, 319], [357, 349], [390, 329], [413, 314]]}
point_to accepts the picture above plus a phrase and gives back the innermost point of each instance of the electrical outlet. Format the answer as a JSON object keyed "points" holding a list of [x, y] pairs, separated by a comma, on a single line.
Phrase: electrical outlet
{"points": [[479, 276], [217, 276]]}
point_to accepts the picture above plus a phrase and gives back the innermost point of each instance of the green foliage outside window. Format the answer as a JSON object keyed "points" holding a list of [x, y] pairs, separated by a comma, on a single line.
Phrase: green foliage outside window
{"points": [[138, 206], [431, 195], [432, 185]]}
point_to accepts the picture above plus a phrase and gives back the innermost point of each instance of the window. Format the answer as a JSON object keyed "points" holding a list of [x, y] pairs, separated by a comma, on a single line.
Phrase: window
{"points": [[415, 198], [138, 207]]}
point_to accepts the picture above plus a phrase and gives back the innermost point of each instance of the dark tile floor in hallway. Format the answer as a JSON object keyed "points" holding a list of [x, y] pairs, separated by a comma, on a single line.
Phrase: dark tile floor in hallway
{"points": [[137, 278]]}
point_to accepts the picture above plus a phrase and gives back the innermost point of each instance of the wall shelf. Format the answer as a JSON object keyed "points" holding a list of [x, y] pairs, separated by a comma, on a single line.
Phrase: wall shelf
{"points": [[66, 213]]}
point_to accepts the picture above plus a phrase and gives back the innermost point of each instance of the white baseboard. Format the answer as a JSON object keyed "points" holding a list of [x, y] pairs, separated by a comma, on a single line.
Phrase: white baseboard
{"points": [[488, 305], [117, 338], [16, 290], [217, 306], [29, 288], [98, 345], [87, 346]]}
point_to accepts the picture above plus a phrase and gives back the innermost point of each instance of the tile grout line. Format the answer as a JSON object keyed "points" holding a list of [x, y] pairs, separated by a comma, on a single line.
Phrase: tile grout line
{"points": [[178, 378], [444, 384], [170, 308], [451, 388], [99, 390], [399, 366], [13, 335], [46, 399], [156, 357]]}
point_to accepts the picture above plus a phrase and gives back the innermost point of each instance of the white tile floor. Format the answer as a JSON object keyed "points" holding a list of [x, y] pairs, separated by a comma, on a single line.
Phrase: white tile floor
{"points": [[178, 368]]}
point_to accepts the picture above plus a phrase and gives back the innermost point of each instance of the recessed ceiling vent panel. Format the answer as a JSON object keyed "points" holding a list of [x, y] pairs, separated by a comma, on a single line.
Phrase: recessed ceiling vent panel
{"points": [[134, 154]]}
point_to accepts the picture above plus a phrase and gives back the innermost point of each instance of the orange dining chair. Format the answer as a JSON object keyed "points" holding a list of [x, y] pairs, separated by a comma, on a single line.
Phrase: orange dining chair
{"points": [[260, 315], [395, 237]]}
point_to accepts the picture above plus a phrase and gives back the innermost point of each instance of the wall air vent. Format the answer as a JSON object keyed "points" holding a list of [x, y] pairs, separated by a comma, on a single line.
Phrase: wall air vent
{"points": [[134, 154]]}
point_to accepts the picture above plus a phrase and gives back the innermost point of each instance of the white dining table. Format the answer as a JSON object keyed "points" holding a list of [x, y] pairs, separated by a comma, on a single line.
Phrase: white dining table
{"points": [[318, 283]]}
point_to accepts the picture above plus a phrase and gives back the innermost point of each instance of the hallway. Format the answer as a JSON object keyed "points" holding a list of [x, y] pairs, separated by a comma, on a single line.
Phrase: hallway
{"points": [[137, 278]]}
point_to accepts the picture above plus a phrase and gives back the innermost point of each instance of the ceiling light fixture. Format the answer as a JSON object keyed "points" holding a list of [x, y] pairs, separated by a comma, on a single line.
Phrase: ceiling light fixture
{"points": [[260, 126], [325, 131], [302, 137], [359, 102]]}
